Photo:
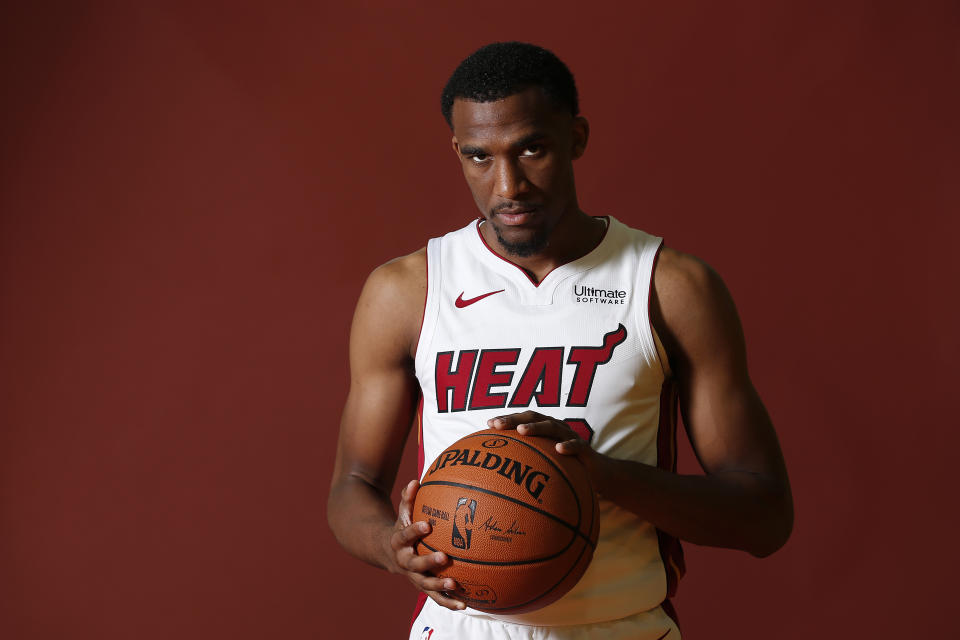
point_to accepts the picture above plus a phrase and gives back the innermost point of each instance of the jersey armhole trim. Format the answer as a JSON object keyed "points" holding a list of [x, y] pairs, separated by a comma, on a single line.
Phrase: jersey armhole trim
{"points": [[657, 343], [431, 305], [650, 341]]}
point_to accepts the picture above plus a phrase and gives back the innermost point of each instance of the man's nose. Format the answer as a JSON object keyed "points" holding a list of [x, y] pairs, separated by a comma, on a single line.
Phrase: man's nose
{"points": [[510, 180]]}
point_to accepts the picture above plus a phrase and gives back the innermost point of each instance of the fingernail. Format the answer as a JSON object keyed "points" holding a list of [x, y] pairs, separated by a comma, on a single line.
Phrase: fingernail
{"points": [[460, 606], [423, 526], [438, 557]]}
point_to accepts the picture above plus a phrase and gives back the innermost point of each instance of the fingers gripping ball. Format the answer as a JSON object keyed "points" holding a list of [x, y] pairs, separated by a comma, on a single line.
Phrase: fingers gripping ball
{"points": [[518, 520]]}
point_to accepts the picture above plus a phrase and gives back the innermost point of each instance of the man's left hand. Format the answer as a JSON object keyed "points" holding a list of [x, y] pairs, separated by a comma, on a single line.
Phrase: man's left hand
{"points": [[531, 423]]}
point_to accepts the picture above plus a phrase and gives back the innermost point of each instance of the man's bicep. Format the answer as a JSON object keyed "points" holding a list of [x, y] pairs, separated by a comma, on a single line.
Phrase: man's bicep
{"points": [[729, 427], [375, 424], [383, 391]]}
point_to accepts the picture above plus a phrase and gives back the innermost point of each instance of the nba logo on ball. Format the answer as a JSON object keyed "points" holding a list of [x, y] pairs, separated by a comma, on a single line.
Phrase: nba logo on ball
{"points": [[517, 520], [465, 513]]}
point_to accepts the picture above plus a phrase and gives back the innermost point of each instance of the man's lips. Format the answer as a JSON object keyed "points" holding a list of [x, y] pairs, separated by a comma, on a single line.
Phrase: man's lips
{"points": [[515, 216]]}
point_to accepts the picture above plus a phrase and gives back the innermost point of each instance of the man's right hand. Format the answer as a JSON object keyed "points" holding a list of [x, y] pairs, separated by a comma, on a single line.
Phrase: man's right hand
{"points": [[418, 568]]}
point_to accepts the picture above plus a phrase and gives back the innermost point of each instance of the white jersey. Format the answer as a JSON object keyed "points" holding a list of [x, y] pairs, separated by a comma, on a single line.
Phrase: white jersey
{"points": [[579, 347]]}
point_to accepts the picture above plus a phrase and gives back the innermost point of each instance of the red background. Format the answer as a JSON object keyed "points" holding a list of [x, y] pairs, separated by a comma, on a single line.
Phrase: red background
{"points": [[191, 198]]}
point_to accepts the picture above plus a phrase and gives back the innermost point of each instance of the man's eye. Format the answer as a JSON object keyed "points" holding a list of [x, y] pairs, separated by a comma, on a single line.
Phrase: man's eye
{"points": [[479, 158], [532, 150]]}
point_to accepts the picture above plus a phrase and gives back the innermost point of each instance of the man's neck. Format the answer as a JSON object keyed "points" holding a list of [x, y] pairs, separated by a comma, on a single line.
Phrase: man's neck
{"points": [[575, 236]]}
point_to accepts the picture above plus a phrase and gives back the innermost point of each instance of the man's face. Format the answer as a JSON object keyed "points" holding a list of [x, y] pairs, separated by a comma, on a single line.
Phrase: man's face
{"points": [[517, 156]]}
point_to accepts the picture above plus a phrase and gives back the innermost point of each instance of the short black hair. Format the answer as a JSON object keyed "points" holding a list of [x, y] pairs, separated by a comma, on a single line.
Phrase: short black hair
{"points": [[503, 69]]}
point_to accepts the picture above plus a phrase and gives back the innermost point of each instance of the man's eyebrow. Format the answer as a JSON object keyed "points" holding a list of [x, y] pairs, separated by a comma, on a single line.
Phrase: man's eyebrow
{"points": [[470, 150], [529, 139], [525, 141]]}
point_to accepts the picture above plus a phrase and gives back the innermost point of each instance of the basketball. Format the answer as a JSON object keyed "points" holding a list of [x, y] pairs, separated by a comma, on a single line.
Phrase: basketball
{"points": [[518, 520]]}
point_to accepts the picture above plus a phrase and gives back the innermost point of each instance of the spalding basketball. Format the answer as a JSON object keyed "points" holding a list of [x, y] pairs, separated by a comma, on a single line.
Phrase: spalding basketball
{"points": [[518, 520]]}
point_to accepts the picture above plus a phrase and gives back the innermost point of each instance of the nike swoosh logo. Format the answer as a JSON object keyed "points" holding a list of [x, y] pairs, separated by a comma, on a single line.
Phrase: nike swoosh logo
{"points": [[461, 303]]}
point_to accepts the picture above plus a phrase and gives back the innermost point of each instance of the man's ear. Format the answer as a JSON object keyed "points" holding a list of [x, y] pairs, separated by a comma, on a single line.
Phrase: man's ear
{"points": [[456, 146], [581, 133]]}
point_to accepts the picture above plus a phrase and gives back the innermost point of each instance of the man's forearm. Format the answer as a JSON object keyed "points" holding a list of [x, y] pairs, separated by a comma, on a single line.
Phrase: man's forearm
{"points": [[734, 509], [361, 518]]}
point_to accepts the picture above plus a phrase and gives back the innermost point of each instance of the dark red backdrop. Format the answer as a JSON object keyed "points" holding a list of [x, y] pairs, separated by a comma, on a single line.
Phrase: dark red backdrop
{"points": [[191, 198]]}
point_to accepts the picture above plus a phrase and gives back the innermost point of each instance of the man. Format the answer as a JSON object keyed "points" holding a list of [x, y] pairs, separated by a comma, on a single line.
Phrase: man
{"points": [[545, 320]]}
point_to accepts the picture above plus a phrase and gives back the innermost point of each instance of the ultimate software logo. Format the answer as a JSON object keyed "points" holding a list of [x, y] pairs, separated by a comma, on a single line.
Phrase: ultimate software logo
{"points": [[583, 293]]}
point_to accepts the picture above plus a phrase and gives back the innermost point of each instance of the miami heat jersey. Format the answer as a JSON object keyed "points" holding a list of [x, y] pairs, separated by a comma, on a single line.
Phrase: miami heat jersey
{"points": [[577, 346]]}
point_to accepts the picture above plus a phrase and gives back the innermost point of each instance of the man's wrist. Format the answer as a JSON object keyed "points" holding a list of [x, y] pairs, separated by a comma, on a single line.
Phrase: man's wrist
{"points": [[388, 557], [602, 473]]}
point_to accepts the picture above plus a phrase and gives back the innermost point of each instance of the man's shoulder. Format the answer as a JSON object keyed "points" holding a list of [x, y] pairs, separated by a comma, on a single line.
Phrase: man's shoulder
{"points": [[683, 273], [401, 271], [391, 304], [689, 298], [399, 283], [413, 266]]}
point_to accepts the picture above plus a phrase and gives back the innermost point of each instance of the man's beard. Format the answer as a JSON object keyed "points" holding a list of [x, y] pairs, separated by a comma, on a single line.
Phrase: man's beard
{"points": [[526, 248]]}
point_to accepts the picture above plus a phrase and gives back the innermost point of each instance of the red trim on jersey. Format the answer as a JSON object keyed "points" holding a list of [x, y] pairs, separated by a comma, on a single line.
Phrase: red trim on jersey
{"points": [[524, 271], [671, 553], [422, 600], [667, 427], [420, 437], [668, 609], [423, 316], [653, 330], [653, 268], [421, 597]]}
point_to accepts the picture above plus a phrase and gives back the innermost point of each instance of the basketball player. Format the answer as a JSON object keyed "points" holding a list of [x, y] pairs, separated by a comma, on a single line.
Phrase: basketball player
{"points": [[542, 319]]}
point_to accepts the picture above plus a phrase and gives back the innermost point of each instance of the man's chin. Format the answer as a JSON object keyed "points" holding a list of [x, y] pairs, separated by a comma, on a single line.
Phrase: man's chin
{"points": [[521, 243]]}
